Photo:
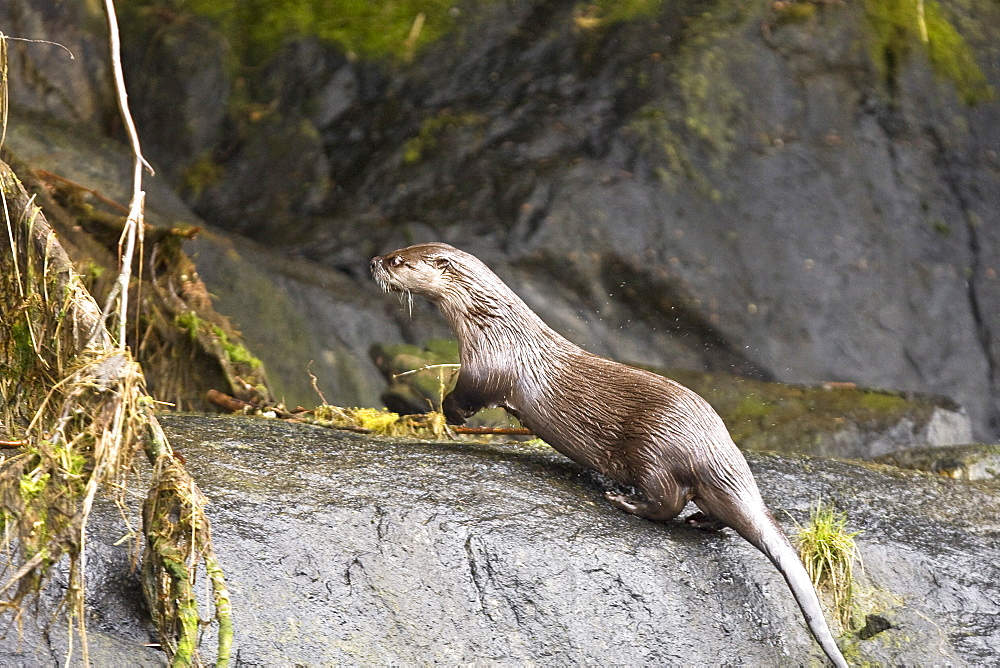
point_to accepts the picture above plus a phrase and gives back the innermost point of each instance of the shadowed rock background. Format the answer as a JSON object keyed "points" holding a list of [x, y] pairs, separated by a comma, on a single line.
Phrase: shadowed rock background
{"points": [[792, 191]]}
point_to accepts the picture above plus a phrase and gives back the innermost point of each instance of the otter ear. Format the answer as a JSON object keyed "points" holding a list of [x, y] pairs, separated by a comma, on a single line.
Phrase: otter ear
{"points": [[441, 262]]}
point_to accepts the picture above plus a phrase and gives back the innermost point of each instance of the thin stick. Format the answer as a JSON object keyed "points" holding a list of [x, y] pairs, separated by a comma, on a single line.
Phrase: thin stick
{"points": [[51, 176], [425, 368], [134, 222], [3, 90]]}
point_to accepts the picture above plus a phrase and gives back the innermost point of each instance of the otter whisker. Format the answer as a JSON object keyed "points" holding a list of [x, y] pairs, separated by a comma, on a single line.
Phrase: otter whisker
{"points": [[406, 297]]}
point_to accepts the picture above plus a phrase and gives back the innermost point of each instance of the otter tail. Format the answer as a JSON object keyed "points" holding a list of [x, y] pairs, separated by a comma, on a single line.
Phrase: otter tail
{"points": [[768, 537]]}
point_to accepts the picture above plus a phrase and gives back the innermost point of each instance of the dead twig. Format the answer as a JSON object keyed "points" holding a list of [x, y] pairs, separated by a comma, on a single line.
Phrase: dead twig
{"points": [[49, 177], [228, 403]]}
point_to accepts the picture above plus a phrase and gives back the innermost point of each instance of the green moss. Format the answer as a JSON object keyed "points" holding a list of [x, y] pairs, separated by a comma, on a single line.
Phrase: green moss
{"points": [[697, 122], [24, 350], [941, 227], [795, 12], [953, 59], [446, 350], [881, 403], [190, 322], [900, 29], [383, 422], [419, 377], [31, 486], [607, 12], [235, 352], [93, 270], [256, 29], [203, 173], [796, 418], [747, 416], [431, 130], [379, 421]]}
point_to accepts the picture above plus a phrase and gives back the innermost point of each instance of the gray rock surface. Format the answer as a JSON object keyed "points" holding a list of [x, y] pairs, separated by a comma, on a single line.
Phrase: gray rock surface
{"points": [[340, 548]]}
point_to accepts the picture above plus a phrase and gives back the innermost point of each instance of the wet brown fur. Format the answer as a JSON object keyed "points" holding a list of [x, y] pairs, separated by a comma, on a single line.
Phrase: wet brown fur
{"points": [[640, 429]]}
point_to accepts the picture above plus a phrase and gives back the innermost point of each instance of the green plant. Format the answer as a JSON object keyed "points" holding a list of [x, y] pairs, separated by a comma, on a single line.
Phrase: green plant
{"points": [[829, 552]]}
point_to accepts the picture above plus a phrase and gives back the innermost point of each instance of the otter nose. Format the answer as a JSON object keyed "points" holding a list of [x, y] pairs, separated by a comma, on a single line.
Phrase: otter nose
{"points": [[375, 262]]}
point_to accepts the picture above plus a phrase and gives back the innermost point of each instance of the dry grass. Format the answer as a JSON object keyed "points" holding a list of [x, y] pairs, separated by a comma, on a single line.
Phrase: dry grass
{"points": [[384, 423], [76, 404]]}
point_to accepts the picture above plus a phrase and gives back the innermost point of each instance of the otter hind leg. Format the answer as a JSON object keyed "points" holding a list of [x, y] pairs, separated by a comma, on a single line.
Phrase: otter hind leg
{"points": [[660, 502]]}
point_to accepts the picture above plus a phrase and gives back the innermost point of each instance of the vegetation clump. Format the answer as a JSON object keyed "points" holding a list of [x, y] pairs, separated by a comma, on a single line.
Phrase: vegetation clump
{"points": [[183, 344], [74, 407], [601, 13], [382, 422], [829, 552], [418, 378], [417, 147]]}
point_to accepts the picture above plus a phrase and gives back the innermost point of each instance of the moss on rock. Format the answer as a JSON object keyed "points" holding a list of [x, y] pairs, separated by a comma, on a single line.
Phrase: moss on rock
{"points": [[255, 30], [901, 28]]}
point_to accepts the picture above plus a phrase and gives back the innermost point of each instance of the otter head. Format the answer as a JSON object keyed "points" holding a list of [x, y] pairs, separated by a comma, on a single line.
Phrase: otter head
{"points": [[423, 269], [474, 301]]}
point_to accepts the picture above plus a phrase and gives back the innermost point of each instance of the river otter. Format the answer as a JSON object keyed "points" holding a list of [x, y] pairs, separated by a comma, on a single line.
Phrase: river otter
{"points": [[642, 430]]}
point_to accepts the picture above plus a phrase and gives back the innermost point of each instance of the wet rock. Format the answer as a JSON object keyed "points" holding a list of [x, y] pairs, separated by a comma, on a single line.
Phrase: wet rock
{"points": [[278, 174], [345, 549], [315, 79]]}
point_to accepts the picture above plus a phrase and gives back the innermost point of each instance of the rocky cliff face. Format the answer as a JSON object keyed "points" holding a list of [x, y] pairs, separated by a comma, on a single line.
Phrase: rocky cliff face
{"points": [[795, 191]]}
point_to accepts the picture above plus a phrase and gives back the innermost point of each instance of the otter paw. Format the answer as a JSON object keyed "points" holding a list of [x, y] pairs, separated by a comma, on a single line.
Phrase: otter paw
{"points": [[453, 412], [456, 419], [622, 501]]}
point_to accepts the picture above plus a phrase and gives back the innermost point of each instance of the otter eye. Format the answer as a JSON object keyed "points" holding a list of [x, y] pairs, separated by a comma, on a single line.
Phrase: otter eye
{"points": [[395, 261], [441, 262]]}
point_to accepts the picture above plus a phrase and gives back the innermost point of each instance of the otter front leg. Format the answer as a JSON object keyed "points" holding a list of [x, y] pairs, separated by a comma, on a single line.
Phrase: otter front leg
{"points": [[457, 409]]}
